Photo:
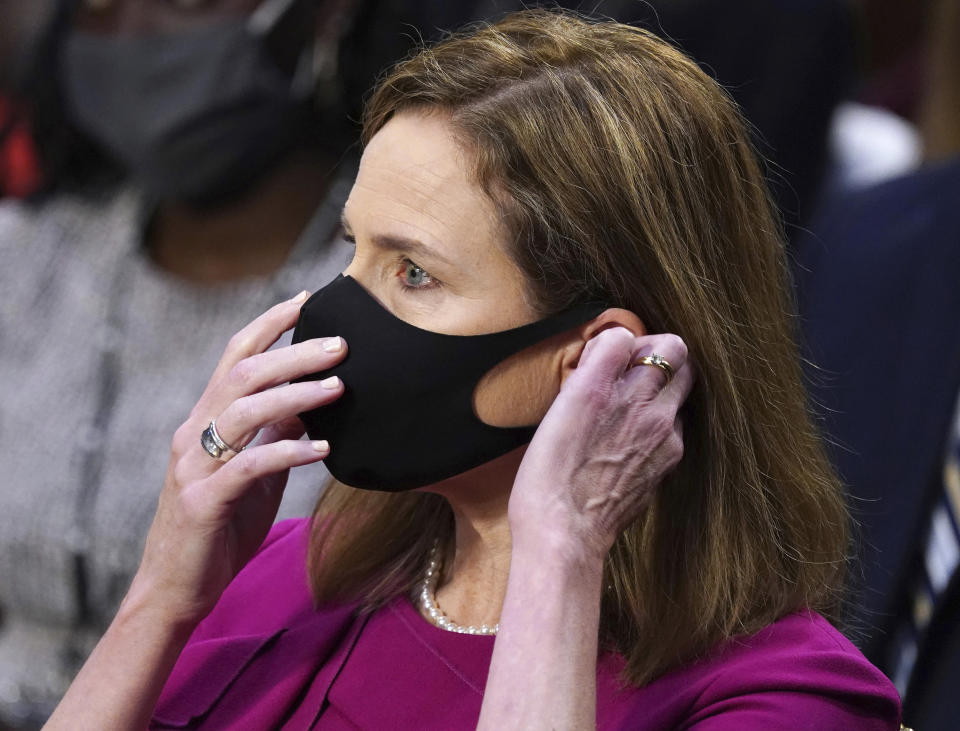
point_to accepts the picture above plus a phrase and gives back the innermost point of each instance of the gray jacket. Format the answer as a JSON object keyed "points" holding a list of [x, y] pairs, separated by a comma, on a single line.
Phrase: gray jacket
{"points": [[102, 355]]}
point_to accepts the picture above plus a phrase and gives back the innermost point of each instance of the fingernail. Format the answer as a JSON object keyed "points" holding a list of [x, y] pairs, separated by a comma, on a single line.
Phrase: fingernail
{"points": [[301, 298], [321, 445], [330, 383], [333, 345]]}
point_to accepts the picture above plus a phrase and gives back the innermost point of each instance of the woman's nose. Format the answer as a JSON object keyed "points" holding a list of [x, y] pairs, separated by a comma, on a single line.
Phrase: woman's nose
{"points": [[361, 268], [353, 269]]}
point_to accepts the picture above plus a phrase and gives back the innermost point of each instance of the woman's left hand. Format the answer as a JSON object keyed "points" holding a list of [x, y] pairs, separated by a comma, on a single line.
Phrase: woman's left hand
{"points": [[610, 437]]}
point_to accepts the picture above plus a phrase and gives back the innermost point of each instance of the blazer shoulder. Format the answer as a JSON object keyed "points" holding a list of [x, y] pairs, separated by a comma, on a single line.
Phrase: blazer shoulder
{"points": [[797, 667], [798, 672]]}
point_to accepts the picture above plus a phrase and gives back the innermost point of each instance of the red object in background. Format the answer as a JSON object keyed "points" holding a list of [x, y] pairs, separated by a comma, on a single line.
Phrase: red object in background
{"points": [[20, 173]]}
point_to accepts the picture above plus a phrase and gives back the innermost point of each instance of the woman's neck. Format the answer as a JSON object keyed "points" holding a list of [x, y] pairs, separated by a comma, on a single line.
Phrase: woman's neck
{"points": [[474, 580], [252, 235]]}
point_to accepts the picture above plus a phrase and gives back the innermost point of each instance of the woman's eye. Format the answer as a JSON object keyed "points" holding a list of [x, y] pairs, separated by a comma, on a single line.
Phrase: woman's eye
{"points": [[414, 277]]}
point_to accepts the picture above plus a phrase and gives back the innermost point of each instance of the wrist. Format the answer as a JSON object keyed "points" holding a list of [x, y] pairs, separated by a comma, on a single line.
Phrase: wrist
{"points": [[145, 605], [558, 550]]}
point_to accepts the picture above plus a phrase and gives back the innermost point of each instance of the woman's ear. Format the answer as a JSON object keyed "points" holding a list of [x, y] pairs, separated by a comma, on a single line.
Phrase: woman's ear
{"points": [[614, 317]]}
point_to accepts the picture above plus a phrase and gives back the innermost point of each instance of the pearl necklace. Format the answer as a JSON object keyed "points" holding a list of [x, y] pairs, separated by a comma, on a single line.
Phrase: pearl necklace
{"points": [[429, 605]]}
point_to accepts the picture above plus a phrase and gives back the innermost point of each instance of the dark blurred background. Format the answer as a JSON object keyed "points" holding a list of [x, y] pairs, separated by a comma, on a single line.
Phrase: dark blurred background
{"points": [[168, 168]]}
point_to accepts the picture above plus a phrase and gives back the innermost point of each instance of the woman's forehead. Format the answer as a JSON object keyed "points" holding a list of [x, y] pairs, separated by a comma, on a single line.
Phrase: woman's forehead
{"points": [[415, 176]]}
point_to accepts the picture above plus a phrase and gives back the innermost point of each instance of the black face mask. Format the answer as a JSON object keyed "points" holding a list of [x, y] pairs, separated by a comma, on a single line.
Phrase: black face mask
{"points": [[406, 417]]}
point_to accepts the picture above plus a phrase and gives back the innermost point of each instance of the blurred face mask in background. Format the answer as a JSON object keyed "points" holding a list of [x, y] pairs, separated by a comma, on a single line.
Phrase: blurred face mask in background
{"points": [[193, 115]]}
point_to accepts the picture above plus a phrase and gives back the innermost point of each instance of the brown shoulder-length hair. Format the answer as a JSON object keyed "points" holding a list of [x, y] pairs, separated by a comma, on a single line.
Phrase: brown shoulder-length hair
{"points": [[624, 173]]}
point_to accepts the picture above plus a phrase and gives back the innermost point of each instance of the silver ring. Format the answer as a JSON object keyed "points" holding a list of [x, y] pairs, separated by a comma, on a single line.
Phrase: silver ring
{"points": [[214, 445]]}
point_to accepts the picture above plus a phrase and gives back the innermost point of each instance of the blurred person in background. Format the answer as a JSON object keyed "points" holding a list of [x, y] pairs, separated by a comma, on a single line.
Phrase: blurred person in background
{"points": [[879, 295], [880, 311], [45, 151], [221, 130]]}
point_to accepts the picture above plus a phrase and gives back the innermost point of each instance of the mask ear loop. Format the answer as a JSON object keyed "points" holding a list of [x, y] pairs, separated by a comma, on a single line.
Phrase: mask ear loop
{"points": [[268, 13], [565, 321], [263, 21], [316, 72]]}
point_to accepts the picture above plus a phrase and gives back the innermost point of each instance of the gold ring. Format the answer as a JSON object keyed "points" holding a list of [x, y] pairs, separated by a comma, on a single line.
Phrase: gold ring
{"points": [[656, 360]]}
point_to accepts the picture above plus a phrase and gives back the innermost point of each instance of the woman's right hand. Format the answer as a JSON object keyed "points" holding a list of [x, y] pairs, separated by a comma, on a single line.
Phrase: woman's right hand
{"points": [[212, 516]]}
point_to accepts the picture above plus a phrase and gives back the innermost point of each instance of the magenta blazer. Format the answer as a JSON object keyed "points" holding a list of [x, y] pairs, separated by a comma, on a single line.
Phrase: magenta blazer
{"points": [[266, 659]]}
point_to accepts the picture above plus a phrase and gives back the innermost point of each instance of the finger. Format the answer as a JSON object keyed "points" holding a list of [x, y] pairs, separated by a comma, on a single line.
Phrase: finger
{"points": [[240, 422], [679, 388], [265, 370], [604, 358], [260, 334], [676, 445], [651, 377], [674, 350], [291, 428], [237, 476]]}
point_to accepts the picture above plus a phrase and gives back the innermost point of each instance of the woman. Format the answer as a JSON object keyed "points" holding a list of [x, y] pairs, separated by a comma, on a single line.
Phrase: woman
{"points": [[539, 203]]}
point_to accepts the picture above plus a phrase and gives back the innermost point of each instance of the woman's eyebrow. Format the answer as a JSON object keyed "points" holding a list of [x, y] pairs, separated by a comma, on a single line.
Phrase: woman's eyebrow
{"points": [[408, 246], [391, 242]]}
